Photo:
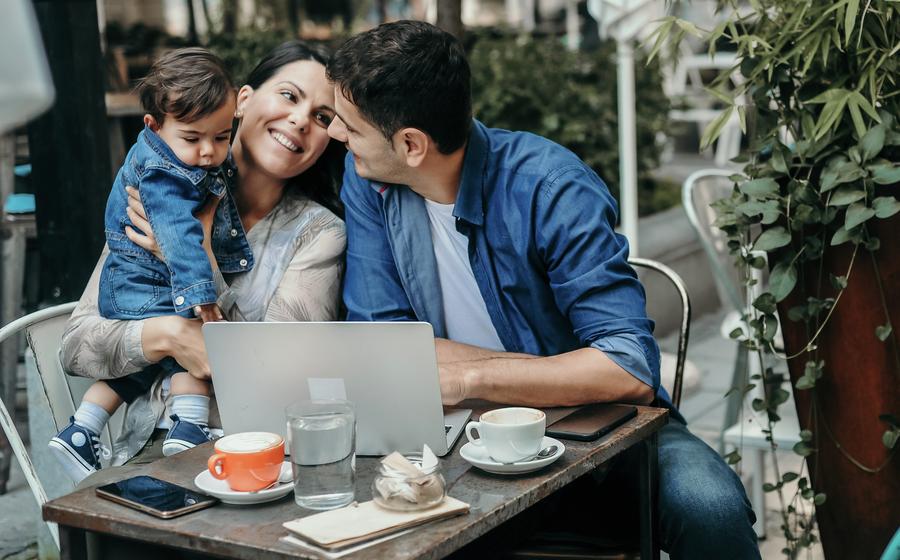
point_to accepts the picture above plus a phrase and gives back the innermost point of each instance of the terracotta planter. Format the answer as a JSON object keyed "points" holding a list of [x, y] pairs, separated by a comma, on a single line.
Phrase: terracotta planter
{"points": [[860, 382]]}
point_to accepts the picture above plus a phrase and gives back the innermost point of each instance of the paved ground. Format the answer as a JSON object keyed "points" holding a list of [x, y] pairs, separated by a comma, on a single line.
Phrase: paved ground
{"points": [[704, 410]]}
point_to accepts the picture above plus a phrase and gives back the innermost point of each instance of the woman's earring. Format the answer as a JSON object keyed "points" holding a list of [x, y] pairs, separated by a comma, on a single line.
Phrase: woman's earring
{"points": [[238, 114]]}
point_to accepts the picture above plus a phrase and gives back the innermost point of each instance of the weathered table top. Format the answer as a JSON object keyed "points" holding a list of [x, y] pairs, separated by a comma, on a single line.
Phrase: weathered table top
{"points": [[254, 531]]}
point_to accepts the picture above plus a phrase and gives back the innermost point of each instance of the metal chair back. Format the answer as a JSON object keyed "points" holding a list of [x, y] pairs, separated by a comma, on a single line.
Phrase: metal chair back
{"points": [[684, 329]]}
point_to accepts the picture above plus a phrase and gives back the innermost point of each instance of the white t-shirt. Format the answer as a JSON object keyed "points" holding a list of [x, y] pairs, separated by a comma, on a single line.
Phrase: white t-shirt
{"points": [[465, 314]]}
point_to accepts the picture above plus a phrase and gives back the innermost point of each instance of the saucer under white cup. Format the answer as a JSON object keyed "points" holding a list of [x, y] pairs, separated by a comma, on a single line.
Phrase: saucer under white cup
{"points": [[219, 489], [478, 457]]}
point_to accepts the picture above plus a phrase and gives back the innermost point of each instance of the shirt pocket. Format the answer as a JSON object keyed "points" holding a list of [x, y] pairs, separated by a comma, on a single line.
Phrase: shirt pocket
{"points": [[137, 292]]}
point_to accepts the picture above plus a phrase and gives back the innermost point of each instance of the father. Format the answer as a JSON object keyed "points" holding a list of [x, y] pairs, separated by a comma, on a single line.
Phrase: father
{"points": [[504, 242]]}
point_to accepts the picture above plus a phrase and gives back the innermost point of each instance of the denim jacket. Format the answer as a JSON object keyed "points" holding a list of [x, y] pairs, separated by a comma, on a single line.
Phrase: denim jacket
{"points": [[551, 269], [171, 193]]}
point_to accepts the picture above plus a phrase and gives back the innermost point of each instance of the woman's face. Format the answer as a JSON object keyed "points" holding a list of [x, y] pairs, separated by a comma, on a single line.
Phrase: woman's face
{"points": [[283, 130]]}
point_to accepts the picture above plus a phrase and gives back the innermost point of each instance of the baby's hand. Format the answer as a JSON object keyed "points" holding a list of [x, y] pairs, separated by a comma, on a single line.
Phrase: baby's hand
{"points": [[208, 312]]}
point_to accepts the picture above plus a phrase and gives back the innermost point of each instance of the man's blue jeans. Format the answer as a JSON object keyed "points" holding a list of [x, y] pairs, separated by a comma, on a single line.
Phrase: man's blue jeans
{"points": [[703, 511], [703, 508]]}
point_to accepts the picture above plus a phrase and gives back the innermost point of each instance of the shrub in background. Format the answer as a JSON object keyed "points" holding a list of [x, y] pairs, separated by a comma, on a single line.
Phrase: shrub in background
{"points": [[537, 85]]}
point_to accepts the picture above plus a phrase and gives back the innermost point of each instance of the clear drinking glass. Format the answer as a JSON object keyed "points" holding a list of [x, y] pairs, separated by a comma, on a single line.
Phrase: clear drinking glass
{"points": [[322, 438]]}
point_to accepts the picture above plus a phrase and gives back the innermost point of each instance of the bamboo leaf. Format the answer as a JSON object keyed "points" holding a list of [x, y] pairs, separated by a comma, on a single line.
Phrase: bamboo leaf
{"points": [[689, 27], [715, 128], [883, 332], [662, 33], [856, 115], [742, 117], [782, 280], [773, 238], [857, 213], [850, 19], [889, 438], [885, 206]]}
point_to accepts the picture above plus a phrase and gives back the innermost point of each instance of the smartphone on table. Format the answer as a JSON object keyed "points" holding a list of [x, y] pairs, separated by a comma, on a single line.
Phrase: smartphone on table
{"points": [[156, 497], [592, 421]]}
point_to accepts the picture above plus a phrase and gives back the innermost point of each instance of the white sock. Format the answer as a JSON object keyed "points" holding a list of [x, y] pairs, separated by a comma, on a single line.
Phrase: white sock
{"points": [[91, 417], [191, 408]]}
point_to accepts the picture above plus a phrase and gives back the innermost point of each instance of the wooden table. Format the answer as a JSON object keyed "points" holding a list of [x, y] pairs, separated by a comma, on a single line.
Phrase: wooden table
{"points": [[254, 531]]}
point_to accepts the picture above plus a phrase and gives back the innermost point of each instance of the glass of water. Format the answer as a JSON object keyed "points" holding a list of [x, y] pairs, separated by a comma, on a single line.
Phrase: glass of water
{"points": [[321, 435]]}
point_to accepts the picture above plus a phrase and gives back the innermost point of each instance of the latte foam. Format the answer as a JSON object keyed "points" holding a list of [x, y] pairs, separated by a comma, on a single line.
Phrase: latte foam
{"points": [[248, 442]]}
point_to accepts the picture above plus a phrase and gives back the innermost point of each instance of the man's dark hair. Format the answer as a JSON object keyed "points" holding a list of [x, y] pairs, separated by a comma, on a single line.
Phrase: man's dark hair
{"points": [[408, 74], [187, 84]]}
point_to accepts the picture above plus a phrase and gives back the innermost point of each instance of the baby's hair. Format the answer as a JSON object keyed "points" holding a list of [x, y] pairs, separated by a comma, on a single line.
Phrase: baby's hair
{"points": [[187, 84]]}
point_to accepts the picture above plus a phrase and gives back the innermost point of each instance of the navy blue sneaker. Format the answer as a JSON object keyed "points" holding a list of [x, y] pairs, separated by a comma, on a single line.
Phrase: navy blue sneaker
{"points": [[78, 451], [184, 435]]}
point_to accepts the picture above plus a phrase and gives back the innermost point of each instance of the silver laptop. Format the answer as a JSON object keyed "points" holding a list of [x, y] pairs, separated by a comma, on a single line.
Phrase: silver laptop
{"points": [[388, 370]]}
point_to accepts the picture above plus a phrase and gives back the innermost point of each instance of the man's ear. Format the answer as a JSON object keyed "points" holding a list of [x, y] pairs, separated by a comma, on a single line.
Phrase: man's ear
{"points": [[151, 122], [415, 145]]}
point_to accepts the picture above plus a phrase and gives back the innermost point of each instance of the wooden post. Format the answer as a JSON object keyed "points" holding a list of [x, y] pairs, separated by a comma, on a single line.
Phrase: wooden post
{"points": [[69, 148], [449, 17]]}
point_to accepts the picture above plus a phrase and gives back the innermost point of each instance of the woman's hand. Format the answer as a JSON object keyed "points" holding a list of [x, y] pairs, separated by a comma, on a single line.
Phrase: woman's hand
{"points": [[180, 338], [147, 241], [138, 217], [206, 215]]}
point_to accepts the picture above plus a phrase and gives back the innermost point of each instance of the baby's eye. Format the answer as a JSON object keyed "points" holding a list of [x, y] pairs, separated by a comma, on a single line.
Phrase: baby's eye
{"points": [[289, 95], [222, 138], [190, 140]]}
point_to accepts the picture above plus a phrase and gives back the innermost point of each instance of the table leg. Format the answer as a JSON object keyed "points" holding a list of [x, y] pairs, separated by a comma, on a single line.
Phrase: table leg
{"points": [[72, 543], [649, 497]]}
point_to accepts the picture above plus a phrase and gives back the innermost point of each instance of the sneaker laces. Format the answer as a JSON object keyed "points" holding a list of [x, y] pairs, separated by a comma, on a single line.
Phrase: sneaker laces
{"points": [[101, 451]]}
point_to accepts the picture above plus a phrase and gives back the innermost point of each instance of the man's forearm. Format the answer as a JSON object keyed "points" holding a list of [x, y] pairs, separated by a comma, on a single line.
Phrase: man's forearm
{"points": [[451, 351], [578, 377]]}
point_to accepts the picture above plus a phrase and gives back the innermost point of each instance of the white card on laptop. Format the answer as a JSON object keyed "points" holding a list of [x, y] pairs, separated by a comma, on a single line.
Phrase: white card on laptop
{"points": [[388, 370]]}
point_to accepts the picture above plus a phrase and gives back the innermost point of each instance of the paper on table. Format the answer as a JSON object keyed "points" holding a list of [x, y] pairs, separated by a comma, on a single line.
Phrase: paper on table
{"points": [[334, 554], [359, 522]]}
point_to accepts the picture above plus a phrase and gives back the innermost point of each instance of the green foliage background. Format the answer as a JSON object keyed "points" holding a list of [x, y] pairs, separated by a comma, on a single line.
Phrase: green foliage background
{"points": [[537, 85]]}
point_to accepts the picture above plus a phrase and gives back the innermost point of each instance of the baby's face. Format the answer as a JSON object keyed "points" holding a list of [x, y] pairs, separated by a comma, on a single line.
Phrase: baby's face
{"points": [[204, 142]]}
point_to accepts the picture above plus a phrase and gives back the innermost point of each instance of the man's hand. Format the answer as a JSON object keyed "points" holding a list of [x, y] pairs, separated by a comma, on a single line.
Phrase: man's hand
{"points": [[455, 381], [208, 313]]}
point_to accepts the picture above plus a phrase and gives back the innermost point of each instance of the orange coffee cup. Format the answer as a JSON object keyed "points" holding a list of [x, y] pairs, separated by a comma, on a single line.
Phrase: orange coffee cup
{"points": [[248, 461]]}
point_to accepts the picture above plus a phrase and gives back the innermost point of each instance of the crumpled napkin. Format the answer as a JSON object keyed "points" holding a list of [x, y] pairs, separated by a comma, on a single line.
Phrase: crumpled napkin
{"points": [[406, 481]]}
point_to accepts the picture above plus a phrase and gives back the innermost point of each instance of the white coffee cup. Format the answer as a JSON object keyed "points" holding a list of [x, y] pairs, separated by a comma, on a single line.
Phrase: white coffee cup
{"points": [[509, 434]]}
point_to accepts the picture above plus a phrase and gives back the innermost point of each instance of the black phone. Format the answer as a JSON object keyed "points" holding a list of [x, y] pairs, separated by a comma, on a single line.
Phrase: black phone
{"points": [[592, 421], [154, 496]]}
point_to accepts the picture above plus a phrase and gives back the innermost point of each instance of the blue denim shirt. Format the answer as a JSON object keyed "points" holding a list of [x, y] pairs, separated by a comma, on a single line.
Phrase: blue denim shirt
{"points": [[551, 269], [171, 193]]}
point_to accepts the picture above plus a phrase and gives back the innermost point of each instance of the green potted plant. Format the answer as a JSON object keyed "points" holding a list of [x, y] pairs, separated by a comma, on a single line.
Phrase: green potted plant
{"points": [[818, 194]]}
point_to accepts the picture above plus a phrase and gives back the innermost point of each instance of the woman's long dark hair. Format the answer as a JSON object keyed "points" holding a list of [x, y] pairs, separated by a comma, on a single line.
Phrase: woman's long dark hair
{"points": [[322, 181]]}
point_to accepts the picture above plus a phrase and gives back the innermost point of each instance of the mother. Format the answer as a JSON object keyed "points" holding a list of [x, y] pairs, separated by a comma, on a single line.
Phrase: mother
{"points": [[289, 171]]}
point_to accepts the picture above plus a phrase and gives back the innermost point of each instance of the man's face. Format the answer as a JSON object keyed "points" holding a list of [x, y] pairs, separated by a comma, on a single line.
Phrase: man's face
{"points": [[374, 157]]}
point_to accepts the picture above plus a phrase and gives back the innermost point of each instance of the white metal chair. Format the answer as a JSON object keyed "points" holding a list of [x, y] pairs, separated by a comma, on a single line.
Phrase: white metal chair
{"points": [[700, 189], [43, 331]]}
